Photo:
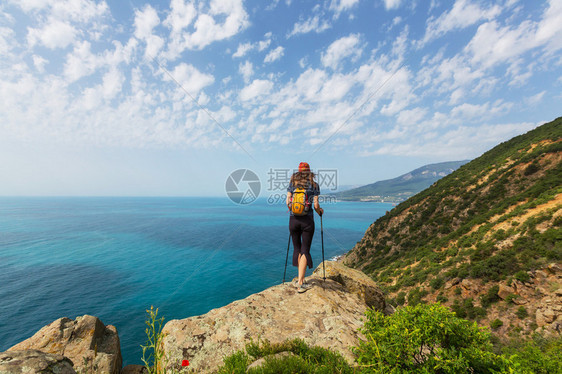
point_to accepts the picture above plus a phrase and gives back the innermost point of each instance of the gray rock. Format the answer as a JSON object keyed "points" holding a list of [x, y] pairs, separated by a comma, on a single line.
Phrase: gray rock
{"points": [[353, 281], [34, 362], [328, 315], [86, 341]]}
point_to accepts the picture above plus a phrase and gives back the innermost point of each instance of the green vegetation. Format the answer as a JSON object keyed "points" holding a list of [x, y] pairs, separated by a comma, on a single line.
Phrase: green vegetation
{"points": [[301, 359], [155, 362], [522, 313], [496, 324], [467, 225], [522, 276], [536, 356], [421, 339], [491, 296], [425, 339]]}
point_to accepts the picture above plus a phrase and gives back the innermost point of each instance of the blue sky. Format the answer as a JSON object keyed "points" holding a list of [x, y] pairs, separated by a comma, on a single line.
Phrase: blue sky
{"points": [[169, 97]]}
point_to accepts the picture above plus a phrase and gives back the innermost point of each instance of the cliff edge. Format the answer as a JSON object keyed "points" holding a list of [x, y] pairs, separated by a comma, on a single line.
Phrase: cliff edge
{"points": [[328, 315]]}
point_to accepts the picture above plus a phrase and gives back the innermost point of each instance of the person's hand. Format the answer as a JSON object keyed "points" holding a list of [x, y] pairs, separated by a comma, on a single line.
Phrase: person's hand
{"points": [[320, 211]]}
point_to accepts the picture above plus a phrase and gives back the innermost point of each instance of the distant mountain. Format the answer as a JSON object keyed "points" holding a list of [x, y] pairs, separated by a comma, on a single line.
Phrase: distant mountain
{"points": [[403, 187]]}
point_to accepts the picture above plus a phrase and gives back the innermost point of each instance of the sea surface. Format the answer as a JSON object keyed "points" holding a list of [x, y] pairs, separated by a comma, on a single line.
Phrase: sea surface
{"points": [[114, 257]]}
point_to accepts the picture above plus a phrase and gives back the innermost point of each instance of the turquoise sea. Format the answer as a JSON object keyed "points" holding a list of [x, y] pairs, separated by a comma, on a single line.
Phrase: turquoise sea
{"points": [[114, 257]]}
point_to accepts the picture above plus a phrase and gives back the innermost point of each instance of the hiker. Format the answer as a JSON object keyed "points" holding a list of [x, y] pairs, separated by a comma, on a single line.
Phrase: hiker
{"points": [[302, 194]]}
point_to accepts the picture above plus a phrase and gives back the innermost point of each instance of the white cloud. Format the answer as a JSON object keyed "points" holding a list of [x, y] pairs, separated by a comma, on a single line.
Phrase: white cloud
{"points": [[392, 4], [463, 14], [264, 44], [243, 49], [411, 117], [190, 79], [468, 111], [181, 15], [341, 49], [313, 24], [274, 55], [145, 21], [112, 83], [458, 143], [207, 30], [55, 34], [247, 70], [550, 27], [39, 63], [197, 26], [494, 44], [339, 6], [335, 88], [81, 62], [535, 99], [6, 37], [76, 10], [154, 44], [258, 87]]}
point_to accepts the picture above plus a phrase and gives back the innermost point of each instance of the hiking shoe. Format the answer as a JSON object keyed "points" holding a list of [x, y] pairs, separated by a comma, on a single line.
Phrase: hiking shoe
{"points": [[304, 287]]}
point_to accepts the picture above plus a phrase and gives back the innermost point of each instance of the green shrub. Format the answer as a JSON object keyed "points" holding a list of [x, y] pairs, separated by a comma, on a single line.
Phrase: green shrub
{"points": [[536, 356], [401, 298], [305, 359], [441, 298], [416, 295], [436, 283], [522, 276], [491, 296], [532, 168], [522, 313], [496, 324], [466, 309], [425, 339]]}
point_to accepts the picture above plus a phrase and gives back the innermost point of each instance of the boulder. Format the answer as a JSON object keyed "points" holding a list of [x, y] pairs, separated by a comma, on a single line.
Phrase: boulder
{"points": [[554, 268], [86, 341], [453, 282], [545, 316], [505, 291], [467, 284], [34, 362], [353, 281], [328, 315]]}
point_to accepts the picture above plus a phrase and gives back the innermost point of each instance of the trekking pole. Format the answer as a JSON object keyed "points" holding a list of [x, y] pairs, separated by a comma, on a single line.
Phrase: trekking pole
{"points": [[287, 258], [322, 237]]}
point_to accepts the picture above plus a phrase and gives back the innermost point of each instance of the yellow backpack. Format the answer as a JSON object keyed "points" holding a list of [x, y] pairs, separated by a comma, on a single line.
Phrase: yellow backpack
{"points": [[299, 203]]}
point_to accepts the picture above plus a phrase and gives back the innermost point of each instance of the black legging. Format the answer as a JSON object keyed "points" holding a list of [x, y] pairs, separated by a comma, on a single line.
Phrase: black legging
{"points": [[302, 226]]}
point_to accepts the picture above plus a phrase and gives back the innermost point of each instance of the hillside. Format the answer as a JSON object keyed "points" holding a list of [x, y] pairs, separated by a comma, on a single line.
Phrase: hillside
{"points": [[401, 188], [485, 240]]}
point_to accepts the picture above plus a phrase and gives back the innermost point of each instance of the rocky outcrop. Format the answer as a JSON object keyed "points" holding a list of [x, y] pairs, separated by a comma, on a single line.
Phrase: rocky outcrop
{"points": [[353, 281], [328, 315], [86, 341], [34, 362]]}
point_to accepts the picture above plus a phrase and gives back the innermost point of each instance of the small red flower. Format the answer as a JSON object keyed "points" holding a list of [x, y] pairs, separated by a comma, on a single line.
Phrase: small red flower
{"points": [[185, 363]]}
